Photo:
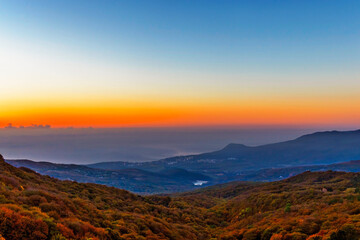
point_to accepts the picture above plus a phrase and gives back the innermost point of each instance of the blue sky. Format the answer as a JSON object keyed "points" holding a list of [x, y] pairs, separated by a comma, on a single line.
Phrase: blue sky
{"points": [[266, 34], [175, 53]]}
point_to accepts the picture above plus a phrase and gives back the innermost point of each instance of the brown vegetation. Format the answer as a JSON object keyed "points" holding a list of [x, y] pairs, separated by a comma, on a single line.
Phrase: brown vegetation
{"points": [[322, 205]]}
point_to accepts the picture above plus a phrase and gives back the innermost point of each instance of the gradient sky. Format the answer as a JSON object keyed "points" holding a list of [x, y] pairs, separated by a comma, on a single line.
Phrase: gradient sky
{"points": [[179, 63]]}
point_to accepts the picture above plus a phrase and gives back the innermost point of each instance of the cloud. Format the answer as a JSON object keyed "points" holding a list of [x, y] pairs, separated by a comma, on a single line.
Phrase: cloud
{"points": [[39, 126], [32, 126], [9, 126]]}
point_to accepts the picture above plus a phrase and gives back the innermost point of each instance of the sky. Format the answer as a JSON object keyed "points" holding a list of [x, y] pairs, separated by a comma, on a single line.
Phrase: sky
{"points": [[179, 63]]}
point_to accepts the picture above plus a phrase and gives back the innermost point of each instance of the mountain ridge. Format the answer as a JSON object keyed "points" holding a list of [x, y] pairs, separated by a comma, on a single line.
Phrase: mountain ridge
{"points": [[317, 148]]}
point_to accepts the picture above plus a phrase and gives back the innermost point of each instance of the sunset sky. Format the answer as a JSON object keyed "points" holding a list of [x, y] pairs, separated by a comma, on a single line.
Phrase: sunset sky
{"points": [[179, 63]]}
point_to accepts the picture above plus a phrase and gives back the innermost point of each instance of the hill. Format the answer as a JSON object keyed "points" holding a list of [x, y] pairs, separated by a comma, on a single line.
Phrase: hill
{"points": [[312, 205], [33, 206], [313, 149], [135, 180], [169, 180]]}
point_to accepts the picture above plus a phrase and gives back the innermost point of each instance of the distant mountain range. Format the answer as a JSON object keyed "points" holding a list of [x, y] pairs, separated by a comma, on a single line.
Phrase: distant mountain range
{"points": [[317, 148], [314, 152]]}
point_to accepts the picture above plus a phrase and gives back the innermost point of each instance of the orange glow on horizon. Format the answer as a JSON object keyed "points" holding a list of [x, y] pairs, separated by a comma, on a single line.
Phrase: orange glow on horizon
{"points": [[253, 112]]}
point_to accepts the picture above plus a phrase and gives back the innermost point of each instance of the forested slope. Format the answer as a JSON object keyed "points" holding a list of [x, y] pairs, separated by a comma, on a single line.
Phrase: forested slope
{"points": [[319, 205]]}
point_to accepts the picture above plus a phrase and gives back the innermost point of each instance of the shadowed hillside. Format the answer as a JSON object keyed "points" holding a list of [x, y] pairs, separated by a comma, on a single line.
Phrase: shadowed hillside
{"points": [[135, 180], [169, 180]]}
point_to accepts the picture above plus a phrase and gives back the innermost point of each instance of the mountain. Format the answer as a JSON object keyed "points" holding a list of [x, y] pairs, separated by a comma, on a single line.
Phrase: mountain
{"points": [[135, 180], [317, 148], [312, 205]]}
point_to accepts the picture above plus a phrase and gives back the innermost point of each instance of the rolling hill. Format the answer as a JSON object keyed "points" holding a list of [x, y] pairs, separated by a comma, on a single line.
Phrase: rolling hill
{"points": [[135, 180], [168, 180], [312, 205]]}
